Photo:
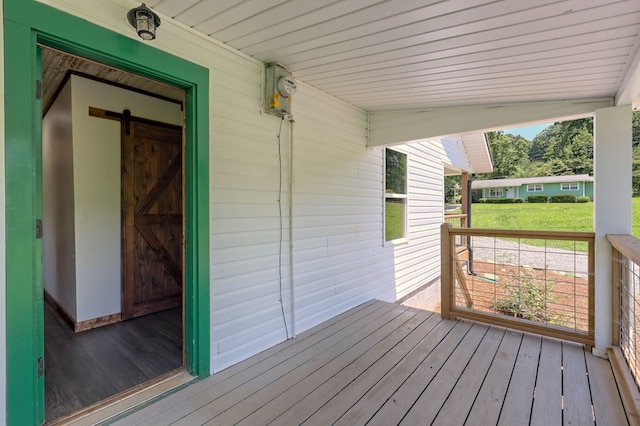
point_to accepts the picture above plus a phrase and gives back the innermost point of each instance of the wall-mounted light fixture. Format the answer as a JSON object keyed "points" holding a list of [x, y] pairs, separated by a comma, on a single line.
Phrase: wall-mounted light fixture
{"points": [[144, 21]]}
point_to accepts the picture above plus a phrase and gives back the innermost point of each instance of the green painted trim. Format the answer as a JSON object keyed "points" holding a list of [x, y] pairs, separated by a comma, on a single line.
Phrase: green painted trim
{"points": [[27, 22], [24, 405]]}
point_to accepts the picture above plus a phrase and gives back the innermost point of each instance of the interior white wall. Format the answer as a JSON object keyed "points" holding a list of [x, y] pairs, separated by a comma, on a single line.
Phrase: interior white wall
{"points": [[97, 189], [612, 195], [3, 269], [58, 219]]}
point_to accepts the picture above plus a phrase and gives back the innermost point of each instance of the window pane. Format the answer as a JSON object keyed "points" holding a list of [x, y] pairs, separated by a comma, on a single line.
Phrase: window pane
{"points": [[394, 218], [396, 176]]}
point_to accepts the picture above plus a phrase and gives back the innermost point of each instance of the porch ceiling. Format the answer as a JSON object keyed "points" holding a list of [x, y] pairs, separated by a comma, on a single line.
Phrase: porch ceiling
{"points": [[385, 55]]}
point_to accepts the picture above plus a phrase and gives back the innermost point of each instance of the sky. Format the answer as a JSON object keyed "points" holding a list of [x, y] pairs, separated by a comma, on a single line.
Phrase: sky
{"points": [[528, 132]]}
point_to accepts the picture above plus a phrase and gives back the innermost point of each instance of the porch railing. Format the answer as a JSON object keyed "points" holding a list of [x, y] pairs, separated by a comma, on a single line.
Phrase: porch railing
{"points": [[626, 301], [456, 220], [535, 281]]}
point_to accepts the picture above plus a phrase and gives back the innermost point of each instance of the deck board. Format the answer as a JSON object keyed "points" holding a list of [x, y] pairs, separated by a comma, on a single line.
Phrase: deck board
{"points": [[426, 407], [575, 386], [373, 390], [458, 404], [516, 409], [397, 405], [547, 403], [606, 404], [316, 389], [385, 364], [182, 404], [332, 404], [313, 374], [203, 407], [488, 404]]}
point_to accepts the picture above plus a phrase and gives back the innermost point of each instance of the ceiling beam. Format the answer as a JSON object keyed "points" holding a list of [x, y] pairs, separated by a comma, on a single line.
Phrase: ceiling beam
{"points": [[629, 89], [396, 127]]}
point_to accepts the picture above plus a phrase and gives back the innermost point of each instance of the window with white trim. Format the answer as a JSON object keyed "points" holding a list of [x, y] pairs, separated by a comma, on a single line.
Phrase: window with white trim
{"points": [[536, 187], [495, 192], [395, 195], [573, 186]]}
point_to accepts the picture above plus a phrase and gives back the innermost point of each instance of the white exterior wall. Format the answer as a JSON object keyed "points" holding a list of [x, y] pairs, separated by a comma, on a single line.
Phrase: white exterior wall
{"points": [[340, 256], [417, 262]]}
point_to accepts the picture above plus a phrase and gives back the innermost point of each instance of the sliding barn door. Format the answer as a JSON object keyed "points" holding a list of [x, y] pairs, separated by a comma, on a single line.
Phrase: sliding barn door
{"points": [[152, 218]]}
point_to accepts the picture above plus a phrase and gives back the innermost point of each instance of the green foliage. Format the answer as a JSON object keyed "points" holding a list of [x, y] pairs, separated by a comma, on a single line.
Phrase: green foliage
{"points": [[538, 199], [635, 129], [501, 200], [564, 148], [450, 183], [635, 164], [509, 154], [396, 172], [583, 199], [563, 198], [528, 300]]}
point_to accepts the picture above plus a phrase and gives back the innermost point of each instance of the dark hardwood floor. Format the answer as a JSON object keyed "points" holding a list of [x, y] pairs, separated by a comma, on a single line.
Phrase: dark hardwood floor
{"points": [[84, 368]]}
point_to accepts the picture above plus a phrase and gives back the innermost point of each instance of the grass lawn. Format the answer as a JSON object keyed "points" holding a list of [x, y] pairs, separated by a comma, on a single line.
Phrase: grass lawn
{"points": [[543, 217], [394, 221]]}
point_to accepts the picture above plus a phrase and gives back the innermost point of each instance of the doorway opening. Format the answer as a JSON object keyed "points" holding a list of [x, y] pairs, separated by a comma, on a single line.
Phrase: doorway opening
{"points": [[113, 233]]}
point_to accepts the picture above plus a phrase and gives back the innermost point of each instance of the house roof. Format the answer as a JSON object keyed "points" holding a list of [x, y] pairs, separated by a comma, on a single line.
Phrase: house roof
{"points": [[478, 153], [501, 183], [385, 55]]}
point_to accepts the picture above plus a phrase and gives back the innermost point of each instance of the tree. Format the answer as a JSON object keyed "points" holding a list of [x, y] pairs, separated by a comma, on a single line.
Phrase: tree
{"points": [[635, 133], [510, 154]]}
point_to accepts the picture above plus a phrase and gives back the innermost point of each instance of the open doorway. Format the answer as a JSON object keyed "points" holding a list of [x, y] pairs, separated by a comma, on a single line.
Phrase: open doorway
{"points": [[113, 232]]}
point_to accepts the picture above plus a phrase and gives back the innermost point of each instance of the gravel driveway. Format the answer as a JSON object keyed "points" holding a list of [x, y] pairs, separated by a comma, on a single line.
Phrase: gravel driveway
{"points": [[497, 250]]}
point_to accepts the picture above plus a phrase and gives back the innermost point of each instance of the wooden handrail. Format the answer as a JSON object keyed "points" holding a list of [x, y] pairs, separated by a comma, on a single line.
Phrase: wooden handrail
{"points": [[455, 216], [625, 251], [628, 245], [519, 233]]}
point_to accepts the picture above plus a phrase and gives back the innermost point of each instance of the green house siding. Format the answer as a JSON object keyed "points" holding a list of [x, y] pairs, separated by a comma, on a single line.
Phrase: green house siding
{"points": [[550, 189], [486, 193]]}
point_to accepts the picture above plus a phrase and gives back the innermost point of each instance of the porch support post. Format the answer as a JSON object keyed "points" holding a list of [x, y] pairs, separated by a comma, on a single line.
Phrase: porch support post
{"points": [[464, 183], [612, 215], [464, 199]]}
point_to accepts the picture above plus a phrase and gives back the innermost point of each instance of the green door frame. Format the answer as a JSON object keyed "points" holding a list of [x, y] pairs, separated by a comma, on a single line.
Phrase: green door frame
{"points": [[26, 24]]}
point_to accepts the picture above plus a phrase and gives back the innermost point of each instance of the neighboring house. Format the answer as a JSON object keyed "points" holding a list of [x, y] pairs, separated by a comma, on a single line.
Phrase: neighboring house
{"points": [[578, 185], [267, 225]]}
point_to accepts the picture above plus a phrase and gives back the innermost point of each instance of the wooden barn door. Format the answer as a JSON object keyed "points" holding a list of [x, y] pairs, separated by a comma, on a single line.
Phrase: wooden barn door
{"points": [[152, 217]]}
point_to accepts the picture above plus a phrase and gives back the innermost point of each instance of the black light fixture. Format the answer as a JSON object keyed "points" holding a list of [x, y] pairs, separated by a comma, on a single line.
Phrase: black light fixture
{"points": [[144, 21]]}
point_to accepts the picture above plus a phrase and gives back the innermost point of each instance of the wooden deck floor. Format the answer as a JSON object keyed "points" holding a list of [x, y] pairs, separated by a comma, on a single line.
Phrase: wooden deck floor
{"points": [[386, 364]]}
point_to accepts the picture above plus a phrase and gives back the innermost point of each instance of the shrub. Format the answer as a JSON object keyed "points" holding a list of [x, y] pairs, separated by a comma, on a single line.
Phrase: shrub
{"points": [[563, 198], [501, 200], [583, 199], [537, 199], [528, 301]]}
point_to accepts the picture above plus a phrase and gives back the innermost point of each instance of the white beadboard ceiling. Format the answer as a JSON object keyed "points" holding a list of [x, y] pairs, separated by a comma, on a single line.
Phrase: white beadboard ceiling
{"points": [[406, 54]]}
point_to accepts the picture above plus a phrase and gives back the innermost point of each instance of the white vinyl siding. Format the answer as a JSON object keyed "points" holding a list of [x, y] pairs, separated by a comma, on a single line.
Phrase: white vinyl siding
{"points": [[339, 259], [535, 187], [572, 186]]}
